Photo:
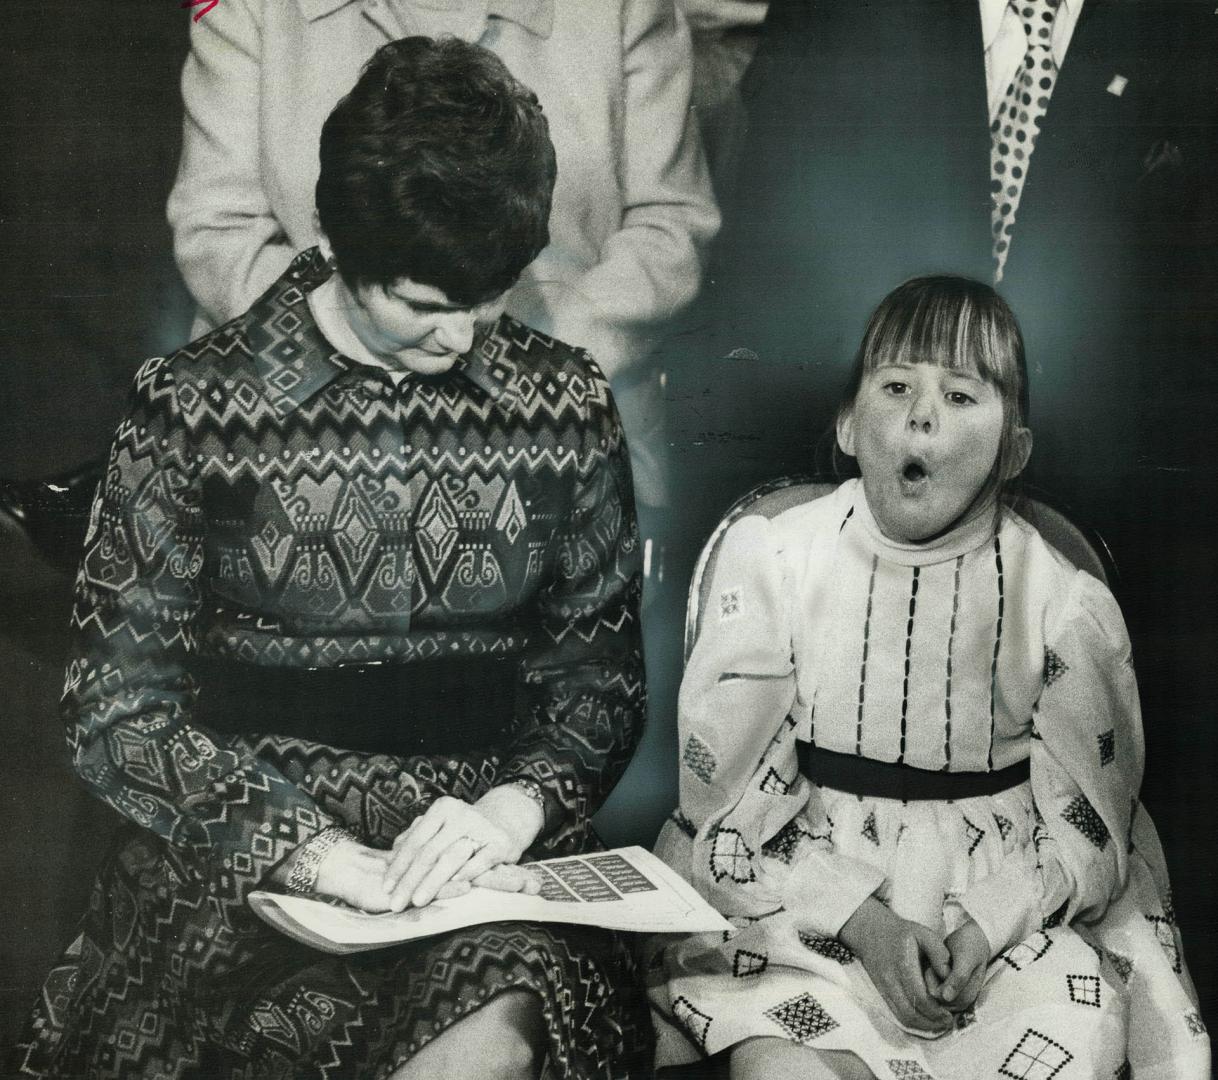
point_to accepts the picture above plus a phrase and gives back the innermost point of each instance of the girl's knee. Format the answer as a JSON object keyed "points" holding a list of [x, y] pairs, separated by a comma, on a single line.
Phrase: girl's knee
{"points": [[503, 1040]]}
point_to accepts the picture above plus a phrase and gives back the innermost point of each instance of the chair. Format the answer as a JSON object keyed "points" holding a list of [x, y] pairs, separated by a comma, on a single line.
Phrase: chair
{"points": [[1084, 548]]}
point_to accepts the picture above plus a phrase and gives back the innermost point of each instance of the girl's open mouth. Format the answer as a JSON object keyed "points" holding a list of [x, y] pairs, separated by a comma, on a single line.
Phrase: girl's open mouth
{"points": [[913, 476]]}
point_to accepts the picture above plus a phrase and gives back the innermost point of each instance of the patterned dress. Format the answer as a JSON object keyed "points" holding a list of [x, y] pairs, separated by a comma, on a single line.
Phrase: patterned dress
{"points": [[272, 505], [971, 654]]}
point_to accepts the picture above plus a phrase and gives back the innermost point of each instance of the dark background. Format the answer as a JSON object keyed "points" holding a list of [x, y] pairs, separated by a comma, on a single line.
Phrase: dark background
{"points": [[89, 130]]}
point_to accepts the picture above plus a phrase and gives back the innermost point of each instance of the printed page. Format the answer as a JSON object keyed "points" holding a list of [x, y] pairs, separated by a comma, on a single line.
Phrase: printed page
{"points": [[624, 889]]}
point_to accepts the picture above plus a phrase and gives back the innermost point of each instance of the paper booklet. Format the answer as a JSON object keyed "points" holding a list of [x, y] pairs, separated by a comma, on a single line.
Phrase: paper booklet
{"points": [[624, 889]]}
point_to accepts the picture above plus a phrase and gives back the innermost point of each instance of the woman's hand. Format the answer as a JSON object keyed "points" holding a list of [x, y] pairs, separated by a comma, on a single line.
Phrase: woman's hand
{"points": [[355, 874], [896, 953], [455, 842], [970, 955]]}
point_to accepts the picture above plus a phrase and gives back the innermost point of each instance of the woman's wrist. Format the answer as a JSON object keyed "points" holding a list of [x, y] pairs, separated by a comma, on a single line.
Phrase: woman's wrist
{"points": [[311, 856], [861, 927], [518, 808]]}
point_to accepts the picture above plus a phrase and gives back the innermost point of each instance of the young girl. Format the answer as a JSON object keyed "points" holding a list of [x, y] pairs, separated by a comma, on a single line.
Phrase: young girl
{"points": [[911, 753]]}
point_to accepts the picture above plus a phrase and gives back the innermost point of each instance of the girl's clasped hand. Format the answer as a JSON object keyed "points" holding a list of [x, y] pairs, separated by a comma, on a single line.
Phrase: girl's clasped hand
{"points": [[924, 980], [447, 850]]}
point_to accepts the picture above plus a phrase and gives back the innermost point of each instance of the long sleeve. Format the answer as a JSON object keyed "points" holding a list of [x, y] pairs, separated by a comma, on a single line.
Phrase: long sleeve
{"points": [[128, 697], [228, 244], [651, 268], [740, 787], [1086, 763], [583, 699]]}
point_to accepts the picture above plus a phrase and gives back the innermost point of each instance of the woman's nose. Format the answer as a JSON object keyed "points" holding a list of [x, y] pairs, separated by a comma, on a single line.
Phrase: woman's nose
{"points": [[455, 331]]}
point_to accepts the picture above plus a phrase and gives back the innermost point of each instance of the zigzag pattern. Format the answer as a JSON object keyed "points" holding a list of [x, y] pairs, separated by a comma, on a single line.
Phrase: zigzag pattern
{"points": [[271, 502]]}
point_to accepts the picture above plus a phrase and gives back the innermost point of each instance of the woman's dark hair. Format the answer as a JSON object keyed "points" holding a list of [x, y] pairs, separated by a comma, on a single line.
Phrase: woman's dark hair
{"points": [[437, 167], [960, 324]]}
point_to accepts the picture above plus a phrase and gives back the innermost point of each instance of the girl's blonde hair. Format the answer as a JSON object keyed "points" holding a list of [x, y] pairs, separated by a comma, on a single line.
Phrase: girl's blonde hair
{"points": [[959, 324]]}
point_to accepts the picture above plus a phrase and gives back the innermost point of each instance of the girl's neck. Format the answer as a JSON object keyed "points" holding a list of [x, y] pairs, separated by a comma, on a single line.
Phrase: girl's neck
{"points": [[975, 528]]}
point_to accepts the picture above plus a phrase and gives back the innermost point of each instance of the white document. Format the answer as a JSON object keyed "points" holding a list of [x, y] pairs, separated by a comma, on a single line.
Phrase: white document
{"points": [[623, 889]]}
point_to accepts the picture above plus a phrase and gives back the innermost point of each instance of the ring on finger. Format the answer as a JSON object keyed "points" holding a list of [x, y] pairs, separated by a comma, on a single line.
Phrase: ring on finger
{"points": [[478, 844]]}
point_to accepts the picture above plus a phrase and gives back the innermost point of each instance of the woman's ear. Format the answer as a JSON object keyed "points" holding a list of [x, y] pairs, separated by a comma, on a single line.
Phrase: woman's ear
{"points": [[1021, 447], [845, 430]]}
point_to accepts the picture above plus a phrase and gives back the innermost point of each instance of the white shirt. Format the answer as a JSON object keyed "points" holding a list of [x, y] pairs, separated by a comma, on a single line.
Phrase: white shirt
{"points": [[1006, 43]]}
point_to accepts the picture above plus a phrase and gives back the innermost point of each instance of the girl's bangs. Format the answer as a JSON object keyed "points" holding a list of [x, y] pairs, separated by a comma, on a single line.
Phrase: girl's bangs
{"points": [[950, 331]]}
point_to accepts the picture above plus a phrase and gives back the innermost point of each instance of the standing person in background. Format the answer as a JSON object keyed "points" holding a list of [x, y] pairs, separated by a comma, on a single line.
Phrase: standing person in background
{"points": [[632, 214]]}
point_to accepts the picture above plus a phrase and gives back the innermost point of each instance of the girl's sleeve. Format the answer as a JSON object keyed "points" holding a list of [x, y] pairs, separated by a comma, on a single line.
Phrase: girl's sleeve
{"points": [[1086, 763], [128, 698], [740, 785], [228, 244]]}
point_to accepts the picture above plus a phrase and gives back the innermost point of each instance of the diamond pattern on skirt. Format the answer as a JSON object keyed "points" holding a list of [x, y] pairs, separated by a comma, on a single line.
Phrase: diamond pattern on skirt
{"points": [[1013, 132]]}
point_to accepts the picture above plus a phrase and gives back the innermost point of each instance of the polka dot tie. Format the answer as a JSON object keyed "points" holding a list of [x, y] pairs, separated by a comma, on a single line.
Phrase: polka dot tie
{"points": [[1013, 133]]}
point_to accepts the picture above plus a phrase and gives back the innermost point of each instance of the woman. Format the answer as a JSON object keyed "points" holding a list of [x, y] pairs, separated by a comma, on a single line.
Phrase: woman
{"points": [[358, 616]]}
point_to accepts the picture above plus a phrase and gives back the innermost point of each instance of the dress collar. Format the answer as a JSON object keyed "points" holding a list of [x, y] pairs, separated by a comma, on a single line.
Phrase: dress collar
{"points": [[965, 537], [296, 362], [535, 16]]}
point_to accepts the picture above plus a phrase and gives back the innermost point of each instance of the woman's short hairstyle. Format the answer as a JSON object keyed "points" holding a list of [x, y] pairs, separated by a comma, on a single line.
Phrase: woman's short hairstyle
{"points": [[956, 323], [437, 167]]}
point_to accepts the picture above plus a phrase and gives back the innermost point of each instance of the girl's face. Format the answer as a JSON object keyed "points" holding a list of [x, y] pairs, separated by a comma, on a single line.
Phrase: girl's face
{"points": [[926, 439]]}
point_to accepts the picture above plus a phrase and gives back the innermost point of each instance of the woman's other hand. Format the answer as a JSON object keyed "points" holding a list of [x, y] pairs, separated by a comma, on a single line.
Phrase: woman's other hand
{"points": [[970, 953], [895, 952], [355, 874], [457, 842]]}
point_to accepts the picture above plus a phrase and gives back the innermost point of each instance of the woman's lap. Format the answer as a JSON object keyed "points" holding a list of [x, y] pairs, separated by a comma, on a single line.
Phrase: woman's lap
{"points": [[157, 985]]}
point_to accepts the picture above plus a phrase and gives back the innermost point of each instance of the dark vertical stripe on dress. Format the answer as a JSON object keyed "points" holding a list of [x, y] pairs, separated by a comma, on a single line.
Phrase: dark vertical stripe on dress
{"points": [[951, 640], [849, 515], [913, 607], [989, 761], [858, 735]]}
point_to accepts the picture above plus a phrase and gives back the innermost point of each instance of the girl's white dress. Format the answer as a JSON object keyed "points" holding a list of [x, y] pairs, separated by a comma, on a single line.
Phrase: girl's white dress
{"points": [[967, 654]]}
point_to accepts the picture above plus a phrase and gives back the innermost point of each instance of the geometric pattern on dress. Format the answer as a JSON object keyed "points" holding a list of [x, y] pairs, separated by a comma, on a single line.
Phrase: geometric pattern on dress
{"points": [[974, 833], [731, 604], [1107, 741], [683, 823], [1084, 989], [747, 963], [1028, 951], [904, 1069], [731, 857], [828, 947], [693, 1020], [1122, 965], [1005, 825], [1124, 1071], [1035, 1057], [1082, 815], [869, 830], [699, 759], [773, 784], [1166, 937], [1196, 1026], [1056, 918], [802, 1018], [1055, 667], [784, 843]]}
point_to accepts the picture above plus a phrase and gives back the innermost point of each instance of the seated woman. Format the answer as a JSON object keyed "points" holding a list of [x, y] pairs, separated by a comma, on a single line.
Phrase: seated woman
{"points": [[358, 615]]}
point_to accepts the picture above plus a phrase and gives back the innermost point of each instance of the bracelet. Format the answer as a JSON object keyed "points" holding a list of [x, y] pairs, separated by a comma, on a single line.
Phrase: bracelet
{"points": [[526, 785], [303, 875]]}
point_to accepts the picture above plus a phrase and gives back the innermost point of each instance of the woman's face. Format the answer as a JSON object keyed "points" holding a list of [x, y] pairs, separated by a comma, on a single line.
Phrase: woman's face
{"points": [[926, 439], [413, 327]]}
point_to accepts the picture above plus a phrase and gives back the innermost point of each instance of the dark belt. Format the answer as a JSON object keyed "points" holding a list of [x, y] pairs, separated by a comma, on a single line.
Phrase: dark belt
{"points": [[857, 775]]}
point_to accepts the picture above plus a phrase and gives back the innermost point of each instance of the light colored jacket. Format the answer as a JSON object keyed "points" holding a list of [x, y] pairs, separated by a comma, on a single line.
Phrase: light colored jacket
{"points": [[633, 212]]}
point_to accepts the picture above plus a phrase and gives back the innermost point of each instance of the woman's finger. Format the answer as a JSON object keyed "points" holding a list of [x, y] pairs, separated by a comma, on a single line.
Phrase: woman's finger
{"points": [[909, 975], [421, 832], [447, 863], [507, 877], [931, 947], [451, 889], [483, 860]]}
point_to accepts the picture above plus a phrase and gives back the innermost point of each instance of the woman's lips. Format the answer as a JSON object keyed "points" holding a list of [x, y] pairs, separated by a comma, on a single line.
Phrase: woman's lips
{"points": [[913, 477]]}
